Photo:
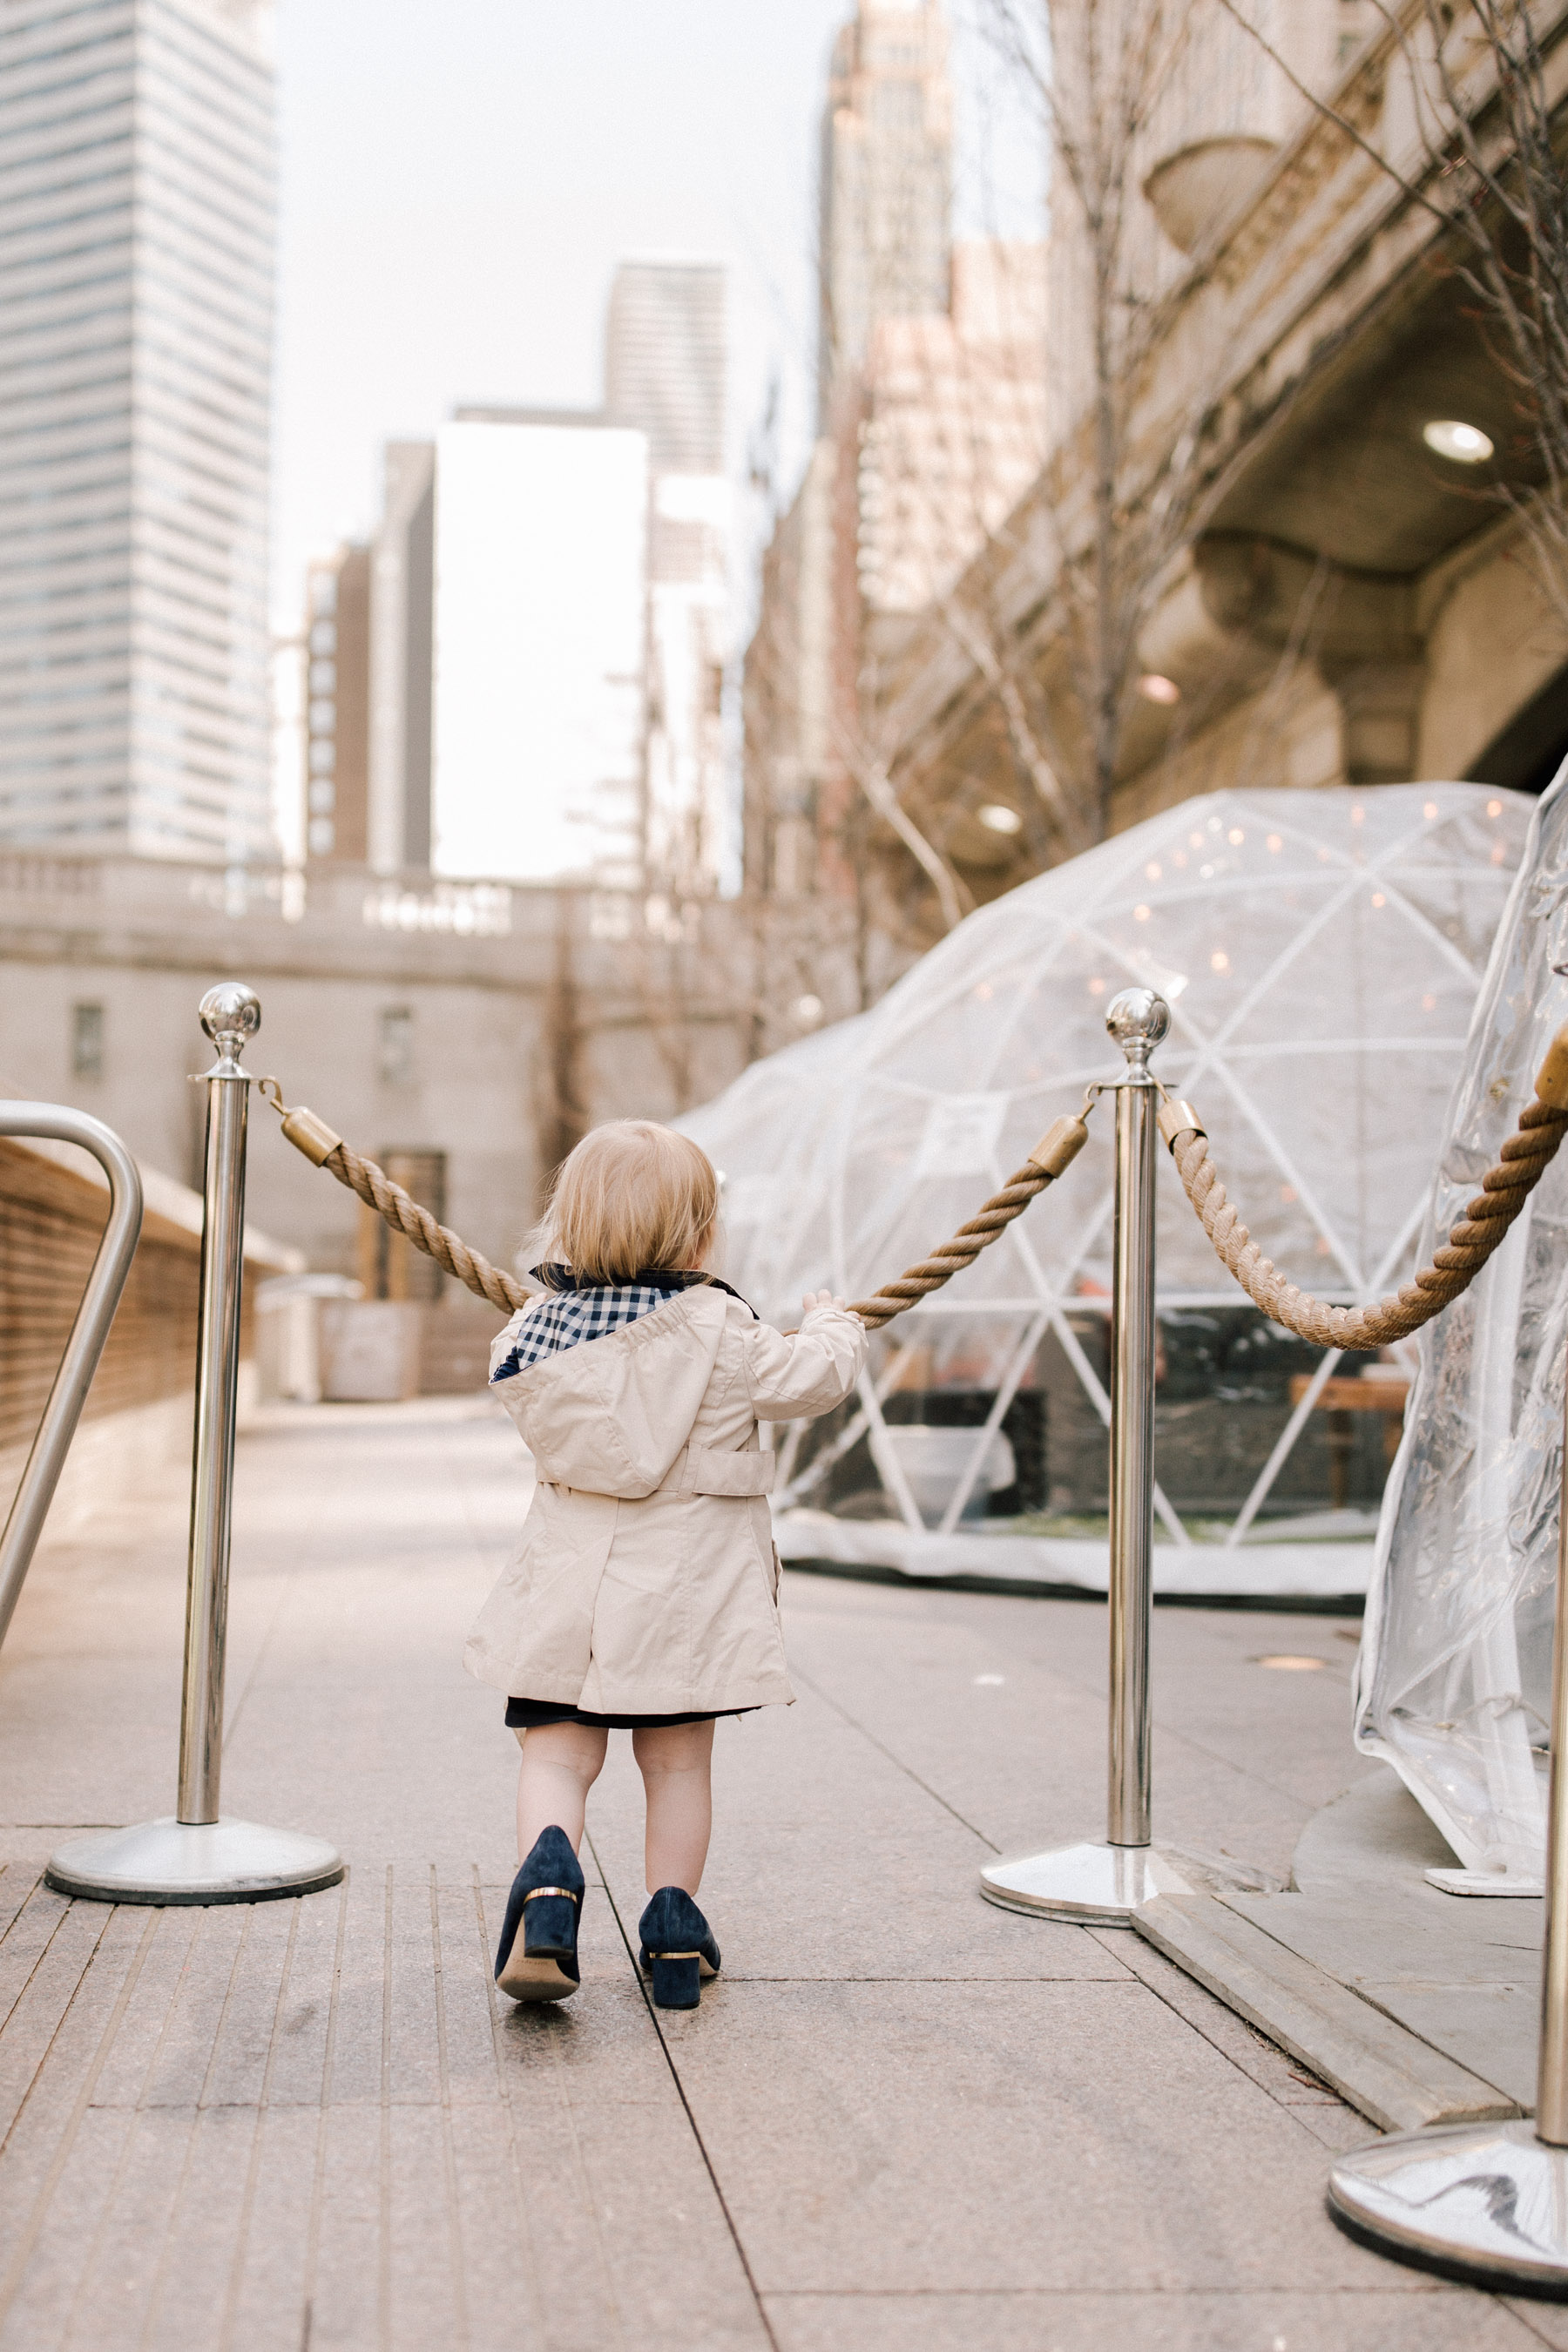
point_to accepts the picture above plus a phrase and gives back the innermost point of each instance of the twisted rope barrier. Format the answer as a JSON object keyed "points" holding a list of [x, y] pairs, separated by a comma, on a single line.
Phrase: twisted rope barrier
{"points": [[1505, 1188], [375, 1187], [1056, 1150]]}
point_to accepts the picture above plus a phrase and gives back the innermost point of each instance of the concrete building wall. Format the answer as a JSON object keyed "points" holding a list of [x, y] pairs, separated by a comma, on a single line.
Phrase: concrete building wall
{"points": [[1492, 644], [489, 1024]]}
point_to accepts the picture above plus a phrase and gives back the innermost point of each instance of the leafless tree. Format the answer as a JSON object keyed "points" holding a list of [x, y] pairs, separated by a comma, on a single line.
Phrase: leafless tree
{"points": [[1124, 502]]}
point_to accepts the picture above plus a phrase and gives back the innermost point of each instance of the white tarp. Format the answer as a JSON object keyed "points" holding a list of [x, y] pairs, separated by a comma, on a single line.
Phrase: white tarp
{"points": [[1321, 951], [1456, 1669]]}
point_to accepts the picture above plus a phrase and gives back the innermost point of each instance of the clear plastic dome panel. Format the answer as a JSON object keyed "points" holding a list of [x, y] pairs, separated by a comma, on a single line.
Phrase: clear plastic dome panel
{"points": [[1320, 952]]}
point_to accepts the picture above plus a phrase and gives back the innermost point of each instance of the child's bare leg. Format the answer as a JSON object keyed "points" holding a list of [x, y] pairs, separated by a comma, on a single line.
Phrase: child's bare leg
{"points": [[674, 1761], [561, 1763]]}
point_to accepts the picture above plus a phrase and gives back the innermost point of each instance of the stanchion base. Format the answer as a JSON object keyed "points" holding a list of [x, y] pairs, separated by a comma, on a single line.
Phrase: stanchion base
{"points": [[1491, 1884], [181, 1862], [1484, 2203], [1095, 1884]]}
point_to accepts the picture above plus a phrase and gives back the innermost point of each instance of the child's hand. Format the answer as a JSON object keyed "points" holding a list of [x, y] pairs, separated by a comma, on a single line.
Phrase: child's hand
{"points": [[819, 1298]]}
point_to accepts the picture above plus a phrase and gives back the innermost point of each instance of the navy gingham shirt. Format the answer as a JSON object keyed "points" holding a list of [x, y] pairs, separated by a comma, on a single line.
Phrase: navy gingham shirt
{"points": [[578, 1311]]}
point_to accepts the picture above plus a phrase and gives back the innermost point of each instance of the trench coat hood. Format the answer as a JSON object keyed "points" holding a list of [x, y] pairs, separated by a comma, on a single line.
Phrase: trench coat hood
{"points": [[610, 1416]]}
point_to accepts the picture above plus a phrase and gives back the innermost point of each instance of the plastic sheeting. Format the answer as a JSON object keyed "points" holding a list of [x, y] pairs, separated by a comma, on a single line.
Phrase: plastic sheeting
{"points": [[1321, 951], [1455, 1674]]}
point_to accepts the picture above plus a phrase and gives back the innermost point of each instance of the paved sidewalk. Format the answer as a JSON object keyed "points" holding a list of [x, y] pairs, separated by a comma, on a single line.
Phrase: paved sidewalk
{"points": [[900, 2119]]}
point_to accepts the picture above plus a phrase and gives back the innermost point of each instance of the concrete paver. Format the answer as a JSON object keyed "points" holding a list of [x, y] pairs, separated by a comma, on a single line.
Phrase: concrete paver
{"points": [[900, 2117]]}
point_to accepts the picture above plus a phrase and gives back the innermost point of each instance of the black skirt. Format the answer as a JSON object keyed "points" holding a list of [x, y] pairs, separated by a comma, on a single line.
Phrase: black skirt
{"points": [[527, 1714]]}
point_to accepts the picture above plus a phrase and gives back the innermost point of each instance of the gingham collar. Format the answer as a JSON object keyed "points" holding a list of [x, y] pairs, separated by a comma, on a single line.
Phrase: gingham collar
{"points": [[575, 1311]]}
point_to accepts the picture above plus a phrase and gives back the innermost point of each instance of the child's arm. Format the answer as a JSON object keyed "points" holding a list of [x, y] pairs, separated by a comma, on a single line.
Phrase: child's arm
{"points": [[810, 1371]]}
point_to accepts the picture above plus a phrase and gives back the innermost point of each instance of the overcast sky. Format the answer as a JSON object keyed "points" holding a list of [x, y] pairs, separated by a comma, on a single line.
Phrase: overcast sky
{"points": [[458, 182]]}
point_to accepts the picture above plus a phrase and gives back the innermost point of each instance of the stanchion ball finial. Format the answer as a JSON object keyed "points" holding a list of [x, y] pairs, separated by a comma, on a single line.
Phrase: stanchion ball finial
{"points": [[230, 1014], [1137, 1019]]}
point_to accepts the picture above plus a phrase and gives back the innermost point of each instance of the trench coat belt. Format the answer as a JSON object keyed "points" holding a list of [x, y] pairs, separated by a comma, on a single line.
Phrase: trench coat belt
{"points": [[719, 1470]]}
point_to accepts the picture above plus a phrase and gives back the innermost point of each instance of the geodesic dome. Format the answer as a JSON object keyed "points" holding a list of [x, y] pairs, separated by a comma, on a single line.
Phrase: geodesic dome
{"points": [[1454, 1683], [1320, 952]]}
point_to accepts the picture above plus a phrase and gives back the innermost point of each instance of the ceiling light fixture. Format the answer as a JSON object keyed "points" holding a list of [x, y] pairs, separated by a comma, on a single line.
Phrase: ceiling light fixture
{"points": [[1156, 688], [1000, 819], [1463, 445]]}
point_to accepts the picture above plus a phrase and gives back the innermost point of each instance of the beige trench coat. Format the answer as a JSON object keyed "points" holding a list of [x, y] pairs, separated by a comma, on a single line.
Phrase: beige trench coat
{"points": [[646, 1581]]}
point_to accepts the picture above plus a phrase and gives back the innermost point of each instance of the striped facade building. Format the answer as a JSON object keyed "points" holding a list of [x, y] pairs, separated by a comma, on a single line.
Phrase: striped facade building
{"points": [[136, 267]]}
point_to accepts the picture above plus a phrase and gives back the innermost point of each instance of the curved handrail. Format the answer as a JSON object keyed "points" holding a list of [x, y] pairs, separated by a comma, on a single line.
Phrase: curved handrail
{"points": [[117, 1246]]}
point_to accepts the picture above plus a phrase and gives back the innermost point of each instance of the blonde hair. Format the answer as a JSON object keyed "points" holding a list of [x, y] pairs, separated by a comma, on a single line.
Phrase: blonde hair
{"points": [[632, 1194]]}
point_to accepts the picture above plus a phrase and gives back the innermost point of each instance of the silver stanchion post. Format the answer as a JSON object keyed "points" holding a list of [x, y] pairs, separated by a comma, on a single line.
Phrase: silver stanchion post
{"points": [[196, 1855], [1489, 2202], [1103, 1882]]}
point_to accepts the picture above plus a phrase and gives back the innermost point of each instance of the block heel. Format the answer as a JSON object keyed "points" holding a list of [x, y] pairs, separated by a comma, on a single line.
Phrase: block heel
{"points": [[677, 1949], [677, 1979], [537, 1958]]}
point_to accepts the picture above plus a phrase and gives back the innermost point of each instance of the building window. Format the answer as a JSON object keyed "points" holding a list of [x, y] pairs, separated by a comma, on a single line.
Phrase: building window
{"points": [[397, 1045], [323, 837], [86, 1040]]}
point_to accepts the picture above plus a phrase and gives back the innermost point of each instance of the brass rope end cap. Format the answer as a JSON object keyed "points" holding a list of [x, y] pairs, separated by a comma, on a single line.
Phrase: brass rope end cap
{"points": [[1552, 1078], [1176, 1119], [311, 1134], [1060, 1145]]}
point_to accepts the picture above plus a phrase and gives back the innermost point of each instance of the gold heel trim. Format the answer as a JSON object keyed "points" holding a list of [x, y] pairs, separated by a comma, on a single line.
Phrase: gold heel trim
{"points": [[535, 1890]]}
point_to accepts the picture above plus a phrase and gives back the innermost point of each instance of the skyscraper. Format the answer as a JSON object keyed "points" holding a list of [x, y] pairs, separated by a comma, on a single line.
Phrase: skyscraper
{"points": [[136, 168], [665, 354], [664, 362], [886, 181], [336, 655], [402, 658]]}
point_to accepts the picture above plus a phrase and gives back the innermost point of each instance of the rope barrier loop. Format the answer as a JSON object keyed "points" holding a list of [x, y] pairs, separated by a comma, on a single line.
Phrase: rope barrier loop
{"points": [[375, 1187], [1505, 1188], [1055, 1151]]}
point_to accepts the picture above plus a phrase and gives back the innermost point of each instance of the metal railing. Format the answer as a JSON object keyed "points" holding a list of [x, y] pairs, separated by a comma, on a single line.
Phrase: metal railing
{"points": [[54, 1123]]}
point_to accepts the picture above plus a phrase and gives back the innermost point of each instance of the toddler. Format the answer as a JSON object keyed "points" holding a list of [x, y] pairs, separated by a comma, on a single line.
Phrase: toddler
{"points": [[643, 1596]]}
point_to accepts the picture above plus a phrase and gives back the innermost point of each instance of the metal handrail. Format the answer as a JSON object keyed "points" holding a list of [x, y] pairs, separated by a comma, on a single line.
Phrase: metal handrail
{"points": [[53, 1122]]}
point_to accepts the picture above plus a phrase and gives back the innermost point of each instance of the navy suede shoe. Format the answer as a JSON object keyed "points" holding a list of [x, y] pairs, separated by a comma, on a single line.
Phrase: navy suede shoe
{"points": [[537, 1959], [677, 1949]]}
